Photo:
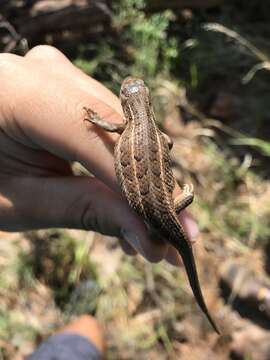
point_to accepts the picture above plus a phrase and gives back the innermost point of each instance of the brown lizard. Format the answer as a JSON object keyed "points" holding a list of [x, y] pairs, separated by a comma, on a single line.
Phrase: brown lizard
{"points": [[143, 169]]}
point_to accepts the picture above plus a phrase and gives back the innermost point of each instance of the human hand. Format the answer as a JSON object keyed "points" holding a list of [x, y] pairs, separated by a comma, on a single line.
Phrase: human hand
{"points": [[42, 96]]}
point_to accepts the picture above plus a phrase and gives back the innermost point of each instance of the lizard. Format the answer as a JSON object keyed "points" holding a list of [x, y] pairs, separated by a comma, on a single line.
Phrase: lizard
{"points": [[143, 169]]}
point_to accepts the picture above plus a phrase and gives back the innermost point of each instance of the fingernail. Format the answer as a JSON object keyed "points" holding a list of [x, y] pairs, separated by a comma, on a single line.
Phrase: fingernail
{"points": [[132, 239], [174, 261], [173, 257]]}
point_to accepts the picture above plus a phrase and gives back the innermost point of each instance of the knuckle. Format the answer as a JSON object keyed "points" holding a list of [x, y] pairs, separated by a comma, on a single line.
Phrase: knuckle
{"points": [[42, 52], [84, 214]]}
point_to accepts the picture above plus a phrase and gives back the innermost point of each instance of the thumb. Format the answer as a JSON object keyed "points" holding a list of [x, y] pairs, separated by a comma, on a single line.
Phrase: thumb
{"points": [[73, 202]]}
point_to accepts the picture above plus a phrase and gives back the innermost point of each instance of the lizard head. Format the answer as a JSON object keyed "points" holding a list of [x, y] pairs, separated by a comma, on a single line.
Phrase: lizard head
{"points": [[132, 88]]}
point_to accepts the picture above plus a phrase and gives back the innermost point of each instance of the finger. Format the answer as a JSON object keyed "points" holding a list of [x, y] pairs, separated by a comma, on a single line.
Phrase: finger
{"points": [[189, 224], [127, 248], [20, 160], [191, 228], [45, 53], [173, 257], [51, 117], [72, 202], [154, 250]]}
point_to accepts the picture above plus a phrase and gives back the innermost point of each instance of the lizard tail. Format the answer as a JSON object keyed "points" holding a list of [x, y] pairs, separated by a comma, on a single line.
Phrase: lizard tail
{"points": [[187, 256], [179, 240]]}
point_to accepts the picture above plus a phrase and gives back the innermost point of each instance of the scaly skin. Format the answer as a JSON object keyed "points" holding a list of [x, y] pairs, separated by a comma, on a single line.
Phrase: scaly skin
{"points": [[143, 169]]}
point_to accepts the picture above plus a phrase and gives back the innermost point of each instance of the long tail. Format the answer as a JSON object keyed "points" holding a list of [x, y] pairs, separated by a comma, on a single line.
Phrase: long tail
{"points": [[186, 253], [185, 250]]}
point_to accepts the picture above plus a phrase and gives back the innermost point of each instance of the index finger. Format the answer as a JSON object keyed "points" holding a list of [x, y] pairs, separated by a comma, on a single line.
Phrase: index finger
{"points": [[47, 111]]}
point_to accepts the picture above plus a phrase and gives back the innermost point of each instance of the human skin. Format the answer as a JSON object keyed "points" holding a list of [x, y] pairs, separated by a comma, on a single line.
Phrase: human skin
{"points": [[42, 132]]}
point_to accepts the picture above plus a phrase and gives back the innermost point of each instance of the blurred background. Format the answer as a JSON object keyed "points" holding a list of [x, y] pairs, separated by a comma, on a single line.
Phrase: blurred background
{"points": [[207, 63]]}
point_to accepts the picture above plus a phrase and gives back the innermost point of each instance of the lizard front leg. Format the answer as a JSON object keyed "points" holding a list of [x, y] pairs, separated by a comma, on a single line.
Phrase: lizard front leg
{"points": [[94, 118], [184, 199]]}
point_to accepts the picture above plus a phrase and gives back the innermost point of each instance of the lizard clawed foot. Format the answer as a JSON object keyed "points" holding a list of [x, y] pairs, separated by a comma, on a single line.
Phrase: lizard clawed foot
{"points": [[185, 198], [91, 115], [168, 140]]}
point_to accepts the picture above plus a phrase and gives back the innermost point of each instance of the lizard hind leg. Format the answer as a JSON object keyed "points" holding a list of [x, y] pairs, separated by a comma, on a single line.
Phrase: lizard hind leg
{"points": [[184, 199], [168, 140], [94, 118]]}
